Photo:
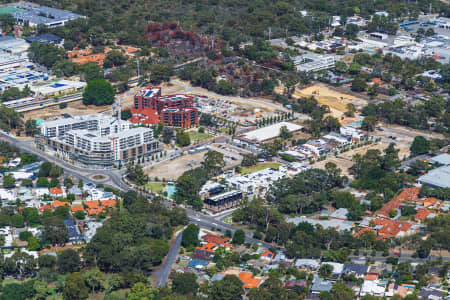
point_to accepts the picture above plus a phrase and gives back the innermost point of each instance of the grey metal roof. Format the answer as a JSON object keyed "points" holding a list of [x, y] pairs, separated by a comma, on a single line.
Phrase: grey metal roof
{"points": [[439, 177], [442, 159]]}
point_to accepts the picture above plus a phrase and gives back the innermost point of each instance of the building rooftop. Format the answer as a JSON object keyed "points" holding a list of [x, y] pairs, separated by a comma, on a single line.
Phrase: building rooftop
{"points": [[35, 14], [439, 177], [270, 132], [442, 159]]}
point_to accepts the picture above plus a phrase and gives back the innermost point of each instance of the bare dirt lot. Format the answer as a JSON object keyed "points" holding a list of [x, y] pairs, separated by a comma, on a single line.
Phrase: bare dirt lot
{"points": [[172, 169], [336, 100], [76, 108], [344, 160]]}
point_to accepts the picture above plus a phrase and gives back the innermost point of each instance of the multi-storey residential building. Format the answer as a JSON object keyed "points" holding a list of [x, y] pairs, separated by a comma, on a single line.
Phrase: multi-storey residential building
{"points": [[179, 117], [171, 110], [98, 144], [105, 124], [146, 98]]}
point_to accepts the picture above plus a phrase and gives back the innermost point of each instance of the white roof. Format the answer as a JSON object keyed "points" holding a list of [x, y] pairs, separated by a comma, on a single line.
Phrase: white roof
{"points": [[270, 132], [337, 267], [443, 159], [439, 177]]}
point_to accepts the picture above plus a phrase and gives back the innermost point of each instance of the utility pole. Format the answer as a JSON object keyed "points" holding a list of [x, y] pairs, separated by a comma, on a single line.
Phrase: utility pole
{"points": [[137, 62], [270, 31]]}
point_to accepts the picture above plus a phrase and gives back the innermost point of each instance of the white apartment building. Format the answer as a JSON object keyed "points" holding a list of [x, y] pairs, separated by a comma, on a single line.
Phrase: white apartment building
{"points": [[97, 140], [103, 123]]}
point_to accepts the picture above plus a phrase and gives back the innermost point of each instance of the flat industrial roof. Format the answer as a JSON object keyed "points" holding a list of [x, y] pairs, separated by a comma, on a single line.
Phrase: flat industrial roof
{"points": [[270, 132], [439, 177]]}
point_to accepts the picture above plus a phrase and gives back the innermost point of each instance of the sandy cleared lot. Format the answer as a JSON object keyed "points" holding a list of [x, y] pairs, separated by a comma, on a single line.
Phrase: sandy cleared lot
{"points": [[76, 108], [344, 160], [328, 96], [172, 169]]}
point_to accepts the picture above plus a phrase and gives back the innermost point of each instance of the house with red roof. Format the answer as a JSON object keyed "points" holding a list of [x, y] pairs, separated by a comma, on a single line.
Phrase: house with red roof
{"points": [[267, 256], [58, 203], [248, 280], [422, 214], [211, 238], [407, 195], [56, 192], [44, 207]]}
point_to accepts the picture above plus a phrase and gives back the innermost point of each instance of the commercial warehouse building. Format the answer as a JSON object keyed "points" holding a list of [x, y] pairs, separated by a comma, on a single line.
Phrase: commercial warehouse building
{"points": [[437, 178], [270, 132], [311, 62], [13, 45], [58, 88], [96, 140]]}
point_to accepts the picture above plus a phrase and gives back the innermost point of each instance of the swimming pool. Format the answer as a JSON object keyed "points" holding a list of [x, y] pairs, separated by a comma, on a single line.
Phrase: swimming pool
{"points": [[170, 189]]}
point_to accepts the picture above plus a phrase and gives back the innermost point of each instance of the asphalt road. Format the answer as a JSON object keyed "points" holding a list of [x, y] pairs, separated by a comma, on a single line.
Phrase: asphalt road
{"points": [[162, 274]]}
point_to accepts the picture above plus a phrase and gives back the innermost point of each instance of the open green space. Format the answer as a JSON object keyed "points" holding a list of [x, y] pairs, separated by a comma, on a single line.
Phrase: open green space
{"points": [[155, 187], [259, 167], [197, 137]]}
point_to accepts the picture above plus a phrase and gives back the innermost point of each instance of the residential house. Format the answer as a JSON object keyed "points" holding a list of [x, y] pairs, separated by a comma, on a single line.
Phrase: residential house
{"points": [[358, 270], [320, 285], [248, 280]]}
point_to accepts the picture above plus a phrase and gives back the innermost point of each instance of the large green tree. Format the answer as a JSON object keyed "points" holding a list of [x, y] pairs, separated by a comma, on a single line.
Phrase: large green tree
{"points": [[98, 92]]}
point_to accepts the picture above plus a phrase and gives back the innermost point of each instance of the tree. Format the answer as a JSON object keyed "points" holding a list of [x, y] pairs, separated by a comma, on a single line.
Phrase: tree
{"points": [[229, 288], [417, 167], [54, 231], [68, 261], [42, 182], [249, 160], [75, 287], [342, 291], [9, 181], [114, 58], [213, 162], [14, 291], [18, 221], [351, 109], [126, 114], [47, 261], [369, 123], [79, 214], [239, 237], [420, 145], [354, 68], [27, 183], [340, 66], [160, 73], [285, 133], [136, 174], [98, 92], [190, 236], [183, 138], [325, 270], [359, 85], [184, 283], [44, 170], [94, 279]]}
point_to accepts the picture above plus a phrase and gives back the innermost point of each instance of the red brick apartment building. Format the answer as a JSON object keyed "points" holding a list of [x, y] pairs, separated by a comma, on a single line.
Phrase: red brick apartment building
{"points": [[171, 110]]}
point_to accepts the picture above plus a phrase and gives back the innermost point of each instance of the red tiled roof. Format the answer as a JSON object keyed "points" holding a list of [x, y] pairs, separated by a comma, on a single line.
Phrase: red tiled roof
{"points": [[210, 247], [248, 280], [56, 191], [108, 203], [44, 208], [58, 203], [408, 194], [391, 228], [268, 254], [430, 201], [358, 234], [210, 238], [422, 214], [76, 208], [91, 204]]}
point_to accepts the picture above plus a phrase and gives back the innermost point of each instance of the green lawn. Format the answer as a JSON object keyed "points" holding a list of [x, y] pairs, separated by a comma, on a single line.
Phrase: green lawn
{"points": [[197, 137], [155, 187], [260, 167]]}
